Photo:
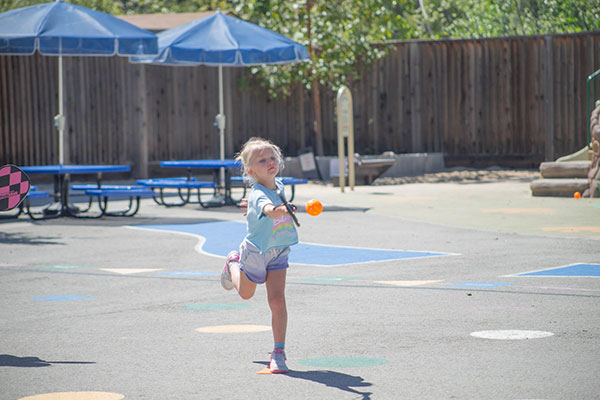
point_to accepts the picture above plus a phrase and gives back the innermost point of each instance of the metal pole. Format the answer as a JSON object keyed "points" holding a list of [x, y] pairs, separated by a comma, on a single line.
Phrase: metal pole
{"points": [[59, 119], [60, 122], [221, 126]]}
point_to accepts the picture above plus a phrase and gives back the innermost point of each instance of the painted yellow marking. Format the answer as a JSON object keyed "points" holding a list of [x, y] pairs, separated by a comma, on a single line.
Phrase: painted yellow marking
{"points": [[234, 329], [76, 396], [519, 210], [264, 371], [572, 229], [127, 271], [406, 283]]}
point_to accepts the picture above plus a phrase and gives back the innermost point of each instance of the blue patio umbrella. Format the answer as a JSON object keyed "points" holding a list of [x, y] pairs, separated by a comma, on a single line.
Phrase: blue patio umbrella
{"points": [[60, 28], [221, 40]]}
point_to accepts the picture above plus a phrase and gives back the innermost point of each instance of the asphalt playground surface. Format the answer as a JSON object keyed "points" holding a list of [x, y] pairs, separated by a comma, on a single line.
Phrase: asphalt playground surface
{"points": [[416, 291]]}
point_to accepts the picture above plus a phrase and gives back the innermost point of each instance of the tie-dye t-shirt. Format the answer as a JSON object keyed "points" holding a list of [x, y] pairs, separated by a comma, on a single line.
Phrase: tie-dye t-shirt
{"points": [[263, 232]]}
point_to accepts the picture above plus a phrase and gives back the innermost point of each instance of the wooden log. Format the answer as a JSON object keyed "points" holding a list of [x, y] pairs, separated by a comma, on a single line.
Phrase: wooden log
{"points": [[558, 187], [571, 169]]}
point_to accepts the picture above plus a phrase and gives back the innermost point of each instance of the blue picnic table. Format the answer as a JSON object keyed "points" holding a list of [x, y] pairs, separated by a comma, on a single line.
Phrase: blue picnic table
{"points": [[62, 177]]}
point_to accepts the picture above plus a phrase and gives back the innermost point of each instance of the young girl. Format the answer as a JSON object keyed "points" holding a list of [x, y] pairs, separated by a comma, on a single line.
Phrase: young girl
{"points": [[263, 254]]}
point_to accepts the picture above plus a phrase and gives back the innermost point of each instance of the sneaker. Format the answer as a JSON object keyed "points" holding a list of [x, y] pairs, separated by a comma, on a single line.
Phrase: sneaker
{"points": [[226, 281], [277, 365]]}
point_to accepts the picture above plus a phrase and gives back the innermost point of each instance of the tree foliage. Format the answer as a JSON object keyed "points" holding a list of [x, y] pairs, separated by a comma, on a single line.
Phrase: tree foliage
{"points": [[342, 33], [339, 33], [130, 6], [400, 19], [101, 5], [492, 18]]}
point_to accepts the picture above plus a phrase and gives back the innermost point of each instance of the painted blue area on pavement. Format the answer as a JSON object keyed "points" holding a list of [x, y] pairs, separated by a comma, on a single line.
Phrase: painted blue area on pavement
{"points": [[480, 284], [573, 270], [224, 236]]}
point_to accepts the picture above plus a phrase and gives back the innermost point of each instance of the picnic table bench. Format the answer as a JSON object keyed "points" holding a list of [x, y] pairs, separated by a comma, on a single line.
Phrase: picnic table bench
{"points": [[184, 187], [104, 193], [33, 194], [25, 205]]}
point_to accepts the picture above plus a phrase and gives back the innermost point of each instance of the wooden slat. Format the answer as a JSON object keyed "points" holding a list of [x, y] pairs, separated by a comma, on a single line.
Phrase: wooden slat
{"points": [[4, 114], [562, 98], [50, 155], [470, 98], [486, 99], [22, 127], [28, 112], [507, 99], [443, 98], [427, 84], [415, 96]]}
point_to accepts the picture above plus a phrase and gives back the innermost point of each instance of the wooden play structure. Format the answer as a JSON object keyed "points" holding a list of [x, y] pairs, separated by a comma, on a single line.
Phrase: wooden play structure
{"points": [[580, 171]]}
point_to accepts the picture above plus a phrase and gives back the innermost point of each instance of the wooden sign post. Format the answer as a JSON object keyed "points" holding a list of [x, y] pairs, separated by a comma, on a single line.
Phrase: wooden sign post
{"points": [[345, 128]]}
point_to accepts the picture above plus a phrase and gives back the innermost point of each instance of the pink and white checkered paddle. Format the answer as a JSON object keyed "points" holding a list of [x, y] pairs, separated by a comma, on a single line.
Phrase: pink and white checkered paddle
{"points": [[14, 187]]}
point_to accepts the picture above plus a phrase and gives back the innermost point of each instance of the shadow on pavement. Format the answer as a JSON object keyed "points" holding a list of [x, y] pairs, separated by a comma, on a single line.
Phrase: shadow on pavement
{"points": [[20, 238], [117, 221], [7, 360], [337, 380]]}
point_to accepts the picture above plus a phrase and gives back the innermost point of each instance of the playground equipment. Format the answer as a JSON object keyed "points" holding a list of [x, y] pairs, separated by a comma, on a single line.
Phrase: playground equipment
{"points": [[577, 173]]}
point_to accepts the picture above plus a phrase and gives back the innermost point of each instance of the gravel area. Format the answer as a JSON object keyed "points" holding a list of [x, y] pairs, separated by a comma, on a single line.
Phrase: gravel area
{"points": [[465, 175]]}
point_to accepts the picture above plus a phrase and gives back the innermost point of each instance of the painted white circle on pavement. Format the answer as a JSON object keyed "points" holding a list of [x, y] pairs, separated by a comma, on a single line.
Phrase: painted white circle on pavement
{"points": [[76, 396], [511, 335], [234, 329]]}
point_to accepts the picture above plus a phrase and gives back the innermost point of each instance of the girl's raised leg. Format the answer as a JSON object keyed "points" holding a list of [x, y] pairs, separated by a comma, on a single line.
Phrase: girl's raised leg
{"points": [[244, 287]]}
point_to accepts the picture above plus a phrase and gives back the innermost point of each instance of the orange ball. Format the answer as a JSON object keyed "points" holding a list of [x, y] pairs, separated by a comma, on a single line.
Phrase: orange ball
{"points": [[314, 207], [577, 195]]}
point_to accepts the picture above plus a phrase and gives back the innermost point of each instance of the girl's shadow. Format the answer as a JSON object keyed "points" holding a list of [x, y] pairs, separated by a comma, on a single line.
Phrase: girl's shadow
{"points": [[333, 379]]}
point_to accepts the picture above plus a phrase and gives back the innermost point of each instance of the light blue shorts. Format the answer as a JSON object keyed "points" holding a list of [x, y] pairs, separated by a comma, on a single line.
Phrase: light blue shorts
{"points": [[256, 265]]}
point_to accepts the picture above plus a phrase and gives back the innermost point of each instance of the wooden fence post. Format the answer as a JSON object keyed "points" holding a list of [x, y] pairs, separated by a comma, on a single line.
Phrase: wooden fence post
{"points": [[548, 114], [139, 144], [415, 98]]}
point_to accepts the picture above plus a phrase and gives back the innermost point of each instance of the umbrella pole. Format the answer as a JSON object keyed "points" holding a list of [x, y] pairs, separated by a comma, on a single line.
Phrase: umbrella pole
{"points": [[221, 125], [60, 124]]}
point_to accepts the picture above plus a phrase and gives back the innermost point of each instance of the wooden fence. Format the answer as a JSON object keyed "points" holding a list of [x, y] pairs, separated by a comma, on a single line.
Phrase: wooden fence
{"points": [[510, 101]]}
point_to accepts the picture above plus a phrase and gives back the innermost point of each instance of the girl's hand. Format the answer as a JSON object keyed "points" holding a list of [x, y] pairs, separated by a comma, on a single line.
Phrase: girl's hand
{"points": [[275, 212], [243, 204], [293, 207]]}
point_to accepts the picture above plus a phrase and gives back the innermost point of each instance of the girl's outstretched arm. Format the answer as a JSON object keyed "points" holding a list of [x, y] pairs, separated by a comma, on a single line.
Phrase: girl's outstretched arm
{"points": [[272, 211]]}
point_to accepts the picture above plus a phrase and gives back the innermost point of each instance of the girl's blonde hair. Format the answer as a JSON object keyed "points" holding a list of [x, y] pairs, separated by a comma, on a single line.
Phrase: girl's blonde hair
{"points": [[253, 147]]}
